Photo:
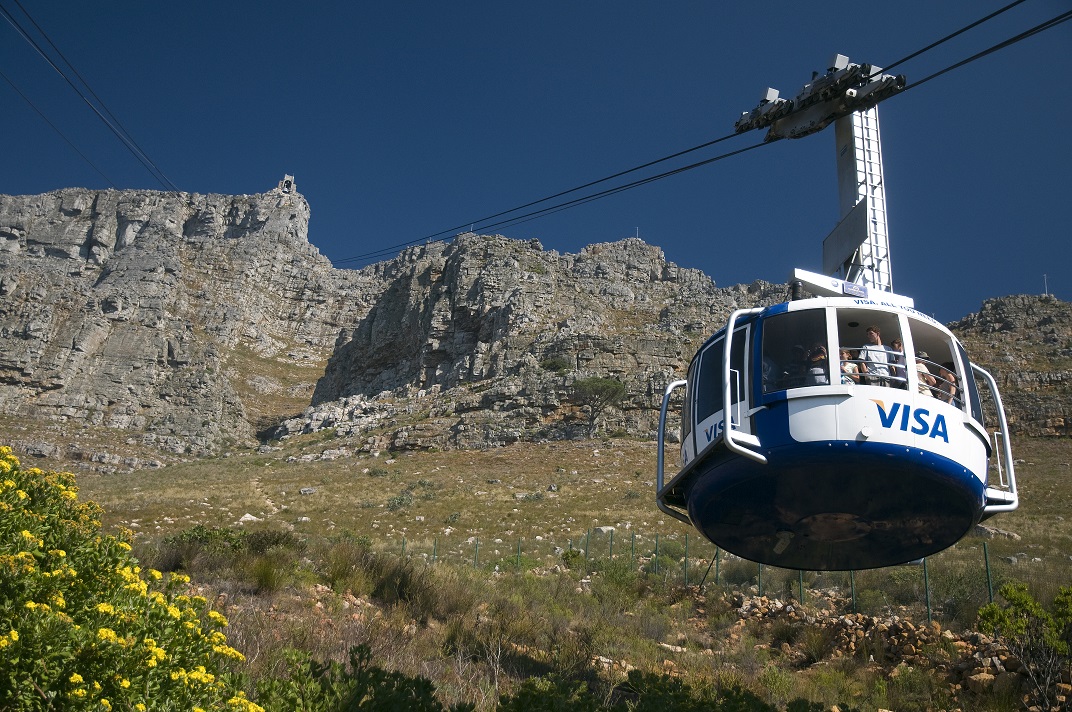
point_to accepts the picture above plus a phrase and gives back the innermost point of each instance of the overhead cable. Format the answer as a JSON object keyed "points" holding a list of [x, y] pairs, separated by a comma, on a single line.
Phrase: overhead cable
{"points": [[450, 232], [948, 37], [1049, 24], [112, 123], [1042, 27], [56, 129]]}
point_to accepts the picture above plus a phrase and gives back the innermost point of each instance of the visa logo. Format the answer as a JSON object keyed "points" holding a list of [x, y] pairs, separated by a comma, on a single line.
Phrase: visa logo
{"points": [[715, 430], [901, 415]]}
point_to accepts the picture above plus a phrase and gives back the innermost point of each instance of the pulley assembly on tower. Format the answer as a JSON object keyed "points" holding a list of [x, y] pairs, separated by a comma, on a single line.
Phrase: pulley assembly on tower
{"points": [[844, 89]]}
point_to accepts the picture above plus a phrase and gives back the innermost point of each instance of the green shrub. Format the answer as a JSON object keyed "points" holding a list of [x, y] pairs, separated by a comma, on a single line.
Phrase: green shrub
{"points": [[572, 558], [81, 627], [264, 540], [400, 501], [1041, 639], [556, 364], [311, 686]]}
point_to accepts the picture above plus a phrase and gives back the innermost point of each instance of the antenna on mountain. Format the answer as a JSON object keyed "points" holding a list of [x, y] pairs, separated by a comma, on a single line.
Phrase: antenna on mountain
{"points": [[1045, 287]]}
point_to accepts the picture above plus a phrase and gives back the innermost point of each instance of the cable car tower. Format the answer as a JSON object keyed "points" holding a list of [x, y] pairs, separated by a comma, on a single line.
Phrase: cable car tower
{"points": [[843, 430]]}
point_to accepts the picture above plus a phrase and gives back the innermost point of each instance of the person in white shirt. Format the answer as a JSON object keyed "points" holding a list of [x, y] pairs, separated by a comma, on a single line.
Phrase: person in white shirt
{"points": [[874, 359]]}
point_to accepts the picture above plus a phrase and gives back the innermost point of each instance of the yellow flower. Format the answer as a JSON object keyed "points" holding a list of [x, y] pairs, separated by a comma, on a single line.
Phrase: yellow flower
{"points": [[124, 546], [76, 678], [124, 683], [105, 704], [174, 612], [105, 608], [59, 553], [31, 605], [14, 635], [228, 651], [141, 707], [217, 618], [107, 635], [80, 692], [155, 575]]}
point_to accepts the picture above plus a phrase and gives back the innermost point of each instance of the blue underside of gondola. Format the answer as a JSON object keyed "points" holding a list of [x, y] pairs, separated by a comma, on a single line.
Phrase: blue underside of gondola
{"points": [[869, 505]]}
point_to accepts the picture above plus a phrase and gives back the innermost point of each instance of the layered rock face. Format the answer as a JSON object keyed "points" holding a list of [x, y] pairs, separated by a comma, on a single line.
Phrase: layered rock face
{"points": [[1026, 343], [147, 311], [493, 333], [186, 322]]}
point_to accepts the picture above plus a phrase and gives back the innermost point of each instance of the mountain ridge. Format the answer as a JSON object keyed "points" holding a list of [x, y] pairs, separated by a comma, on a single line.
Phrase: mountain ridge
{"points": [[196, 323]]}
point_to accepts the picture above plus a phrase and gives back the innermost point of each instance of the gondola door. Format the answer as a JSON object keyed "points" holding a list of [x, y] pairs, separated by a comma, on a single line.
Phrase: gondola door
{"points": [[708, 393]]}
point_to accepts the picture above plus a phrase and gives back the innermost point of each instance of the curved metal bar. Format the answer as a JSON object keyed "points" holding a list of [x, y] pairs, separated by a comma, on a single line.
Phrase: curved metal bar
{"points": [[661, 458], [727, 428], [1003, 504]]}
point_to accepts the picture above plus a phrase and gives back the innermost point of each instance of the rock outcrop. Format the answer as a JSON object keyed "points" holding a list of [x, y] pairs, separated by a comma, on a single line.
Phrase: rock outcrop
{"points": [[1026, 343], [173, 316]]}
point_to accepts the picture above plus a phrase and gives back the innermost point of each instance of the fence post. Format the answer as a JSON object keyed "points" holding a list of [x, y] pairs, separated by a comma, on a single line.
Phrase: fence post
{"points": [[927, 588], [852, 587], [612, 544], [709, 565], [800, 585], [435, 547], [989, 581], [655, 567], [718, 551], [403, 547], [686, 558]]}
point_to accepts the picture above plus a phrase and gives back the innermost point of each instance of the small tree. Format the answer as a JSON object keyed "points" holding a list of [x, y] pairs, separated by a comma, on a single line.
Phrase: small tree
{"points": [[597, 394], [1040, 639]]}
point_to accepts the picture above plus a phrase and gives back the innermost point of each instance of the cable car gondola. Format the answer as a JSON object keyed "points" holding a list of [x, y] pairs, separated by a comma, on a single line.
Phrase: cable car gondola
{"points": [[807, 440]]}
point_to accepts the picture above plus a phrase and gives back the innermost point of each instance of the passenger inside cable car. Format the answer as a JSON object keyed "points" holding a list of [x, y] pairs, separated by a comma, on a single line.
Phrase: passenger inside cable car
{"points": [[920, 357]]}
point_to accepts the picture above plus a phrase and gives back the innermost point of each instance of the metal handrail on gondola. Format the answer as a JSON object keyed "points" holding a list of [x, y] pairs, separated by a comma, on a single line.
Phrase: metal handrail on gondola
{"points": [[661, 457], [727, 395], [1000, 500]]}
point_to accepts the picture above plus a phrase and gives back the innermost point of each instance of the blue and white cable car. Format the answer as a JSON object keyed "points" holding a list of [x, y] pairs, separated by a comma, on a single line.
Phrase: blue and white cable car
{"points": [[792, 456], [844, 430]]}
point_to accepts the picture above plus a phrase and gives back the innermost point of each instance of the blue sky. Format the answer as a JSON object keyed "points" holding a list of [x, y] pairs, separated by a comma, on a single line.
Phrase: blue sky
{"points": [[403, 119]]}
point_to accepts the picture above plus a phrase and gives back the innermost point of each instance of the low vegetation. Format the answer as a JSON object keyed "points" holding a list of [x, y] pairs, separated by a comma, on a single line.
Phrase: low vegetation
{"points": [[525, 604]]}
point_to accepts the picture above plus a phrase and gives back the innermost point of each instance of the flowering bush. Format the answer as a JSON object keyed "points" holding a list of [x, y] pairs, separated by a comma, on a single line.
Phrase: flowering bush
{"points": [[82, 627]]}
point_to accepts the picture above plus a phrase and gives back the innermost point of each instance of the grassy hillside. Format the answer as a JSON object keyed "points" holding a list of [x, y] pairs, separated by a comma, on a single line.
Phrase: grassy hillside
{"points": [[347, 562]]}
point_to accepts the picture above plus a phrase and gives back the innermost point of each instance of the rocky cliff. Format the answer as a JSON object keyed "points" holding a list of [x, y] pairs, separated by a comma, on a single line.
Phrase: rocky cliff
{"points": [[188, 323], [186, 320]]}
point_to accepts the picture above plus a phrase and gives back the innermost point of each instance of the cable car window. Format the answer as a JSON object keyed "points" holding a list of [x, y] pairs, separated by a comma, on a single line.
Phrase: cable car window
{"points": [[795, 352], [935, 364], [874, 346], [709, 385], [971, 390]]}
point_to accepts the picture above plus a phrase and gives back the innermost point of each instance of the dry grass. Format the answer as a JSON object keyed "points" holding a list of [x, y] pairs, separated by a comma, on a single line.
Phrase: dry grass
{"points": [[320, 589]]}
